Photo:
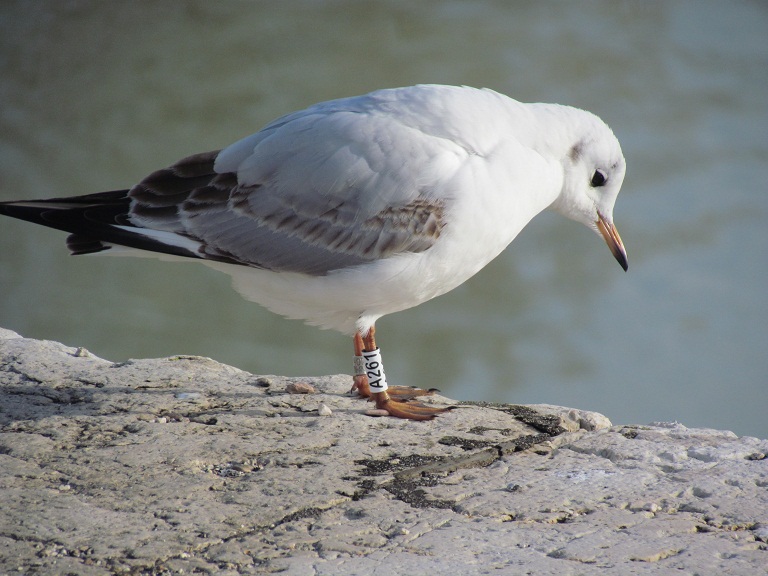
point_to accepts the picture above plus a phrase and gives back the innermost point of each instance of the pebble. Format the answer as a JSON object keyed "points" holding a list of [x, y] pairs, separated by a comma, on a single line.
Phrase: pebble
{"points": [[300, 388], [324, 410]]}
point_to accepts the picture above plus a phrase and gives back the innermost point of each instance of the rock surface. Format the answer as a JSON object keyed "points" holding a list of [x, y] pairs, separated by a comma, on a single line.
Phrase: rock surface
{"points": [[186, 465]]}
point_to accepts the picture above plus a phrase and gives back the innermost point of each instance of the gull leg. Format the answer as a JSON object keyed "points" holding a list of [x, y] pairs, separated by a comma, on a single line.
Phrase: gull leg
{"points": [[360, 380], [393, 400]]}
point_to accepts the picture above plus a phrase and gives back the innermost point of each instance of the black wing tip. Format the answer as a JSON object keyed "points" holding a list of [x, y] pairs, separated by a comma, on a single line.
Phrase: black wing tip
{"points": [[95, 222], [84, 215]]}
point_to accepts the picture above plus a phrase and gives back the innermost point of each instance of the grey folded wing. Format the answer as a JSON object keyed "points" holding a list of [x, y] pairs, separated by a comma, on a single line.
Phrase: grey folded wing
{"points": [[311, 193]]}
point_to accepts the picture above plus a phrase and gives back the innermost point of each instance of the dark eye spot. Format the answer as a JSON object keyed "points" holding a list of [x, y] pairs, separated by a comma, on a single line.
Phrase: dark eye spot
{"points": [[598, 179]]}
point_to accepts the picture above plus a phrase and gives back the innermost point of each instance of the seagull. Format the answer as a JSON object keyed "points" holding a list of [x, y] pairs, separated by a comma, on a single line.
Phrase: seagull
{"points": [[359, 207]]}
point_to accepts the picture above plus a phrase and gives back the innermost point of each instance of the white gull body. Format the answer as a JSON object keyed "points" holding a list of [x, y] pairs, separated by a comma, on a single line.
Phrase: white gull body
{"points": [[488, 162], [356, 208]]}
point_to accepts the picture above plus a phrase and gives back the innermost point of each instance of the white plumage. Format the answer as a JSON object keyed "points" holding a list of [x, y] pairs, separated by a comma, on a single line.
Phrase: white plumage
{"points": [[359, 207], [492, 164]]}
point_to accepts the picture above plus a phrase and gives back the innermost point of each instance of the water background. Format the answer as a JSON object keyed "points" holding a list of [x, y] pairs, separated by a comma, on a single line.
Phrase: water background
{"points": [[95, 95]]}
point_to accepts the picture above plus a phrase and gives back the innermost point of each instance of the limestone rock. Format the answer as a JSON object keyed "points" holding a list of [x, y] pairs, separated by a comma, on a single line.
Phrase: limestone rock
{"points": [[157, 466]]}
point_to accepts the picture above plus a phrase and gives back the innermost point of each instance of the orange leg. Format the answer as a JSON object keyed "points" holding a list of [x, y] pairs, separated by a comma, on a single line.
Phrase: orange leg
{"points": [[360, 382], [394, 400]]}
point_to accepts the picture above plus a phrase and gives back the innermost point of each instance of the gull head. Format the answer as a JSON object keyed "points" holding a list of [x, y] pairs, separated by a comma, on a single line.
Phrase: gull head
{"points": [[593, 171]]}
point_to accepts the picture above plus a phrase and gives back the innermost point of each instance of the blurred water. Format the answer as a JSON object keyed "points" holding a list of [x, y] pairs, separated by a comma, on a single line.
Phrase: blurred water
{"points": [[94, 95]]}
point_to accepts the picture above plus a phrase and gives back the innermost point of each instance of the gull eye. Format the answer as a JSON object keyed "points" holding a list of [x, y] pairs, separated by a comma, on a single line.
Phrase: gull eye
{"points": [[598, 179]]}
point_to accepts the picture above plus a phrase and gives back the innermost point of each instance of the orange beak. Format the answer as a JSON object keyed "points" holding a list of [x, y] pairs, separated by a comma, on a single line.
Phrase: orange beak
{"points": [[612, 238]]}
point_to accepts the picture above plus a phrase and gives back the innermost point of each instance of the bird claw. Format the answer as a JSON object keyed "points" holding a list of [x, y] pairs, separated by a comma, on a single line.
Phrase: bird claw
{"points": [[394, 401], [398, 393], [386, 406], [405, 393]]}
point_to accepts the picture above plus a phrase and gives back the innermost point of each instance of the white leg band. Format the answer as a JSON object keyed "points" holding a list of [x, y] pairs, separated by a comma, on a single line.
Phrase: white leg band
{"points": [[374, 369]]}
